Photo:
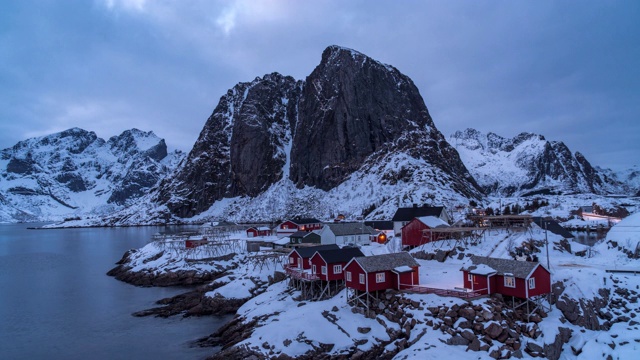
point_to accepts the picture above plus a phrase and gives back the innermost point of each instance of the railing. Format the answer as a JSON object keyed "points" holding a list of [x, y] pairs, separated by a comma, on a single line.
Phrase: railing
{"points": [[299, 274], [442, 292]]}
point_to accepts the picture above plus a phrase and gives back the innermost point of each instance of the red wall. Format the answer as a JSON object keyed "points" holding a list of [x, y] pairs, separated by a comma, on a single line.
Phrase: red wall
{"points": [[356, 270], [412, 234], [319, 262], [543, 282]]}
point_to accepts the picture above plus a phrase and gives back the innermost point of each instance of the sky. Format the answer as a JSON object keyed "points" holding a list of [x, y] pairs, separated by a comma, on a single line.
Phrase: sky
{"points": [[567, 70]]}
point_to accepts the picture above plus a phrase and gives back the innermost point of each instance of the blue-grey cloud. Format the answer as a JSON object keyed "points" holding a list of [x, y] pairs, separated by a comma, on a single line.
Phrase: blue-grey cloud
{"points": [[566, 70]]}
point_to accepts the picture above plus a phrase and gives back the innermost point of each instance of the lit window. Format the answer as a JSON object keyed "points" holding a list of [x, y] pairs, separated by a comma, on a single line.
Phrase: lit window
{"points": [[380, 277], [361, 278], [324, 270], [348, 275], [337, 269], [509, 281], [532, 283]]}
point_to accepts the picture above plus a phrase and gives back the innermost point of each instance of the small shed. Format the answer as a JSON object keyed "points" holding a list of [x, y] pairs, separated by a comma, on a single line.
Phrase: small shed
{"points": [[404, 215], [346, 234], [413, 232], [521, 279], [258, 231], [194, 243], [290, 226], [381, 272], [304, 237], [299, 257], [328, 265]]}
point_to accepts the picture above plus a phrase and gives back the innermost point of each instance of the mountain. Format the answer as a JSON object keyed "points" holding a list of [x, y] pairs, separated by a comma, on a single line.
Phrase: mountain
{"points": [[355, 136], [74, 172], [630, 177], [528, 164]]}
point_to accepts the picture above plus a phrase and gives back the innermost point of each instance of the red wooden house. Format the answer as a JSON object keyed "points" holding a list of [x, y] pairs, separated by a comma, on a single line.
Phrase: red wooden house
{"points": [[521, 279], [413, 233], [291, 226], [299, 257], [258, 231], [381, 272], [328, 265]]}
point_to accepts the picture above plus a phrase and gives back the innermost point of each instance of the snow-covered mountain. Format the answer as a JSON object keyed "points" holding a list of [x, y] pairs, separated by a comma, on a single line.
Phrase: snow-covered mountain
{"points": [[529, 164], [75, 173], [354, 137], [630, 177]]}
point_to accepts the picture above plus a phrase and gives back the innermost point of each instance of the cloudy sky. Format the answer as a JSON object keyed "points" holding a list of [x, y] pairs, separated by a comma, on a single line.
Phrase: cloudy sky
{"points": [[563, 69]]}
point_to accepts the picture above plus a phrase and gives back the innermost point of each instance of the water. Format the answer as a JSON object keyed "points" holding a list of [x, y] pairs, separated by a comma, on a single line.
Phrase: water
{"points": [[57, 303], [588, 237]]}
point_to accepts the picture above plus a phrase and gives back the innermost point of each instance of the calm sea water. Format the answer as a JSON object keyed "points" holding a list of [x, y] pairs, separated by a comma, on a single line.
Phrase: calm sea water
{"points": [[57, 303]]}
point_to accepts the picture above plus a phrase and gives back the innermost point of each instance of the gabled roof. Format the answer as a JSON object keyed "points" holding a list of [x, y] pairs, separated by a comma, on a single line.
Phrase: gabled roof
{"points": [[380, 224], [519, 269], [340, 255], [386, 261], [307, 252], [341, 229], [433, 221], [299, 234], [553, 226], [303, 221], [407, 214]]}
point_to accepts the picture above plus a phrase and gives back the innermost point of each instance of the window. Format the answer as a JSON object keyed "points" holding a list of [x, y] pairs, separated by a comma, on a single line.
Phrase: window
{"points": [[291, 260], [337, 269], [314, 269], [361, 278], [380, 277], [469, 277], [532, 283], [324, 270], [509, 281], [348, 275]]}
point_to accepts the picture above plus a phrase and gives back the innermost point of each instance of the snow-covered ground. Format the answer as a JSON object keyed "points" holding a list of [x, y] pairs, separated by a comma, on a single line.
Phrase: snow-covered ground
{"points": [[294, 327]]}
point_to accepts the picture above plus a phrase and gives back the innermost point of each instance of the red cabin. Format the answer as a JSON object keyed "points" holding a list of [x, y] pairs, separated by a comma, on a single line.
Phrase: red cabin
{"points": [[299, 257], [521, 279], [289, 227], [413, 233], [381, 272], [258, 231], [329, 264], [194, 243]]}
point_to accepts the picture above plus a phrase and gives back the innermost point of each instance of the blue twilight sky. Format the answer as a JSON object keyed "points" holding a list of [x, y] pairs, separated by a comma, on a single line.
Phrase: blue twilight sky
{"points": [[568, 70]]}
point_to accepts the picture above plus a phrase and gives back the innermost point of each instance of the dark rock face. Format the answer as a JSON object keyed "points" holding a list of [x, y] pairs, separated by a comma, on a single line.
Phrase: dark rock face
{"points": [[350, 110], [240, 149]]}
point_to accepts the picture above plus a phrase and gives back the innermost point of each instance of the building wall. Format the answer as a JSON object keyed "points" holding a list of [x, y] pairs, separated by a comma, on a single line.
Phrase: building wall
{"points": [[542, 280], [355, 270], [327, 236]]}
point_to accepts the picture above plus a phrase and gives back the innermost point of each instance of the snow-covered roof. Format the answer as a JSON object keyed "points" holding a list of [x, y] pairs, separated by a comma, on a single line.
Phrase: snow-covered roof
{"points": [[402, 269], [433, 222], [519, 269], [483, 269], [407, 214], [342, 229], [282, 241]]}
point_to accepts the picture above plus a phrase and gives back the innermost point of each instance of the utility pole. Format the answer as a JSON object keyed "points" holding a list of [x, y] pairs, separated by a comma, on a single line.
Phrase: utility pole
{"points": [[546, 241]]}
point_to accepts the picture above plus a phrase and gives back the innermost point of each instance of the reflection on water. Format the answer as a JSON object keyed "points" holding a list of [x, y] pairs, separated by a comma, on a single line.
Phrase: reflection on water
{"points": [[56, 301], [588, 237]]}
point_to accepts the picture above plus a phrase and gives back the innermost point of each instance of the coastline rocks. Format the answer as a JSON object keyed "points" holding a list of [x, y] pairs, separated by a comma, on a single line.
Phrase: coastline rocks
{"points": [[168, 278]]}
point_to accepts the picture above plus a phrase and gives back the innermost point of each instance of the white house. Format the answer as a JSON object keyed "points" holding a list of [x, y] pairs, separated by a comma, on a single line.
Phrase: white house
{"points": [[346, 234]]}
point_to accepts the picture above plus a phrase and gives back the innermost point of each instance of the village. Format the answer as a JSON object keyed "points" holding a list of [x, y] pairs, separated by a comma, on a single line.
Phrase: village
{"points": [[524, 270]]}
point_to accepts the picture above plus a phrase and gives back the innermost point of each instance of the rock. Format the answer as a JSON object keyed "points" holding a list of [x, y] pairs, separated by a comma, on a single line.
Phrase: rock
{"points": [[364, 330], [457, 340], [474, 345], [493, 330], [467, 313]]}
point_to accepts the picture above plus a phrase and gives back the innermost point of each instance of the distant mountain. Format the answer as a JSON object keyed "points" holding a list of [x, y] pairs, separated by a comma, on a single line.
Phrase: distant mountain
{"points": [[630, 177], [74, 173], [529, 164], [355, 137]]}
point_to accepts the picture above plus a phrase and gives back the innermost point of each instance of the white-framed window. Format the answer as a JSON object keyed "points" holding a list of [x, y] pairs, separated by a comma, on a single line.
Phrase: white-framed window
{"points": [[348, 275], [380, 277], [337, 269], [509, 281], [324, 270], [532, 283], [361, 278], [470, 277], [313, 269], [292, 260]]}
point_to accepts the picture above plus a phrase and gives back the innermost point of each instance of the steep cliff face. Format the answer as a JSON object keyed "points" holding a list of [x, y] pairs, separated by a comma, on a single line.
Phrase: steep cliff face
{"points": [[528, 163], [350, 114], [242, 149], [75, 172]]}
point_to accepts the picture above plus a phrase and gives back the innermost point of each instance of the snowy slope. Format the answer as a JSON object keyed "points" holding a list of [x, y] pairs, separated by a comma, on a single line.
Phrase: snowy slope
{"points": [[528, 164], [74, 173]]}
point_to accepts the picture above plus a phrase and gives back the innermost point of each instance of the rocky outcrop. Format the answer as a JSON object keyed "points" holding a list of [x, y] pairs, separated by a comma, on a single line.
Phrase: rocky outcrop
{"points": [[350, 114], [528, 164]]}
